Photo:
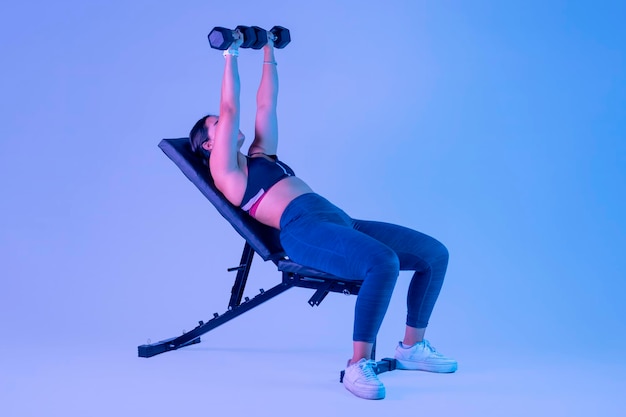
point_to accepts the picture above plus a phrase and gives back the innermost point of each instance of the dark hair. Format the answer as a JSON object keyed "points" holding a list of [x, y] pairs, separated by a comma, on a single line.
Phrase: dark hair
{"points": [[198, 135]]}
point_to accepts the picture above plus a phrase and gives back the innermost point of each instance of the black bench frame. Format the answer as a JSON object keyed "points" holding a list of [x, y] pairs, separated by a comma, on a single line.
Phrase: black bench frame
{"points": [[259, 239]]}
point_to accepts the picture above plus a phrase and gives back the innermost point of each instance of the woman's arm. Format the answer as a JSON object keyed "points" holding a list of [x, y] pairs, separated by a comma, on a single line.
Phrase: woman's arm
{"points": [[266, 123], [224, 162]]}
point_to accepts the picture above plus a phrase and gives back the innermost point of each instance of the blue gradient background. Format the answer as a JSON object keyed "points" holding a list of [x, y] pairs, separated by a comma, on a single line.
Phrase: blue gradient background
{"points": [[497, 127]]}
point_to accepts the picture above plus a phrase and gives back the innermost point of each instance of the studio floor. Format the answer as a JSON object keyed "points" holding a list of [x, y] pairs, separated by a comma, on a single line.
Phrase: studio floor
{"points": [[231, 380]]}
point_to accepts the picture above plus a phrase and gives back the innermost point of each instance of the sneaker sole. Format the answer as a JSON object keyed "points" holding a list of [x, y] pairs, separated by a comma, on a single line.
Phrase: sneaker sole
{"points": [[428, 367], [374, 394]]}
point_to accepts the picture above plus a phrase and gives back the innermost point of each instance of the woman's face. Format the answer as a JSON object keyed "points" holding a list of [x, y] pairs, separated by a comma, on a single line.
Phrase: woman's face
{"points": [[211, 124]]}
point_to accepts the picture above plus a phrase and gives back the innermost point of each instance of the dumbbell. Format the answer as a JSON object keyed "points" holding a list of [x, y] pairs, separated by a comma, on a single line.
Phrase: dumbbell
{"points": [[221, 38], [253, 37], [279, 34]]}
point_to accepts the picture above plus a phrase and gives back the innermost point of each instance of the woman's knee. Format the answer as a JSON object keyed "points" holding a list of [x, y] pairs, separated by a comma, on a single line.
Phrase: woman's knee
{"points": [[385, 261], [442, 253]]}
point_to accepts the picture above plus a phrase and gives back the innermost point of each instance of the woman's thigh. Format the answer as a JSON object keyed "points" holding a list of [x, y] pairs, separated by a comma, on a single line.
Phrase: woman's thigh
{"points": [[335, 248], [415, 250]]}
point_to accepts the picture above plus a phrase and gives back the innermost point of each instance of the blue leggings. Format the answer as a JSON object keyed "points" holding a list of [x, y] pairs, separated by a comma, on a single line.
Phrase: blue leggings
{"points": [[317, 234]]}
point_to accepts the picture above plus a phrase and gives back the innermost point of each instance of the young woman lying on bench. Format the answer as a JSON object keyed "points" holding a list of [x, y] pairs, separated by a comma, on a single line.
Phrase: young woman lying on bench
{"points": [[317, 234]]}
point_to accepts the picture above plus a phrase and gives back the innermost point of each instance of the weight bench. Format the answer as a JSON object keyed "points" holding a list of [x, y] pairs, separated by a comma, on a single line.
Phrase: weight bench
{"points": [[260, 239]]}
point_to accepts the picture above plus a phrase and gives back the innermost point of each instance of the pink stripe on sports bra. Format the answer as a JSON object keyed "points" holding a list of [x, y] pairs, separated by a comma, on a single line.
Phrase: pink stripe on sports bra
{"points": [[252, 211]]}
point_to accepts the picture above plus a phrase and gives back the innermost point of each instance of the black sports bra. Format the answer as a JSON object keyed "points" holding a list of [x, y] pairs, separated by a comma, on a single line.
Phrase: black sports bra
{"points": [[262, 175]]}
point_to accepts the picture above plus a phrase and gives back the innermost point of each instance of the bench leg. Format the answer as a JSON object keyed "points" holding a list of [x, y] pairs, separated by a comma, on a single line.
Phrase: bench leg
{"points": [[193, 336]]}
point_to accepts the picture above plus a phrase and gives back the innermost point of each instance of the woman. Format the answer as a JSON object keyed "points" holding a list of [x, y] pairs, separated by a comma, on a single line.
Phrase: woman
{"points": [[315, 233]]}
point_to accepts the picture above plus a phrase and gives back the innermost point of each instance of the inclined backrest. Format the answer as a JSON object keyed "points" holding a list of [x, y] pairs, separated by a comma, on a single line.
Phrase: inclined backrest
{"points": [[263, 239]]}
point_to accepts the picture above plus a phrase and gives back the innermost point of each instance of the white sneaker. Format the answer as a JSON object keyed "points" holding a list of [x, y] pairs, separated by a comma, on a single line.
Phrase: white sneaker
{"points": [[361, 380], [423, 357]]}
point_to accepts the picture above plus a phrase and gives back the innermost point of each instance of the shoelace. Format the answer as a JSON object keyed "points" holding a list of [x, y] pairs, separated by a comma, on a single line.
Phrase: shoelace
{"points": [[368, 370], [431, 349]]}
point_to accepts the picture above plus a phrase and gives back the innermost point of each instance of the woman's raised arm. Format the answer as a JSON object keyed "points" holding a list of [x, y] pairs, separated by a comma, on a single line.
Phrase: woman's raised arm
{"points": [[266, 122], [224, 162]]}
